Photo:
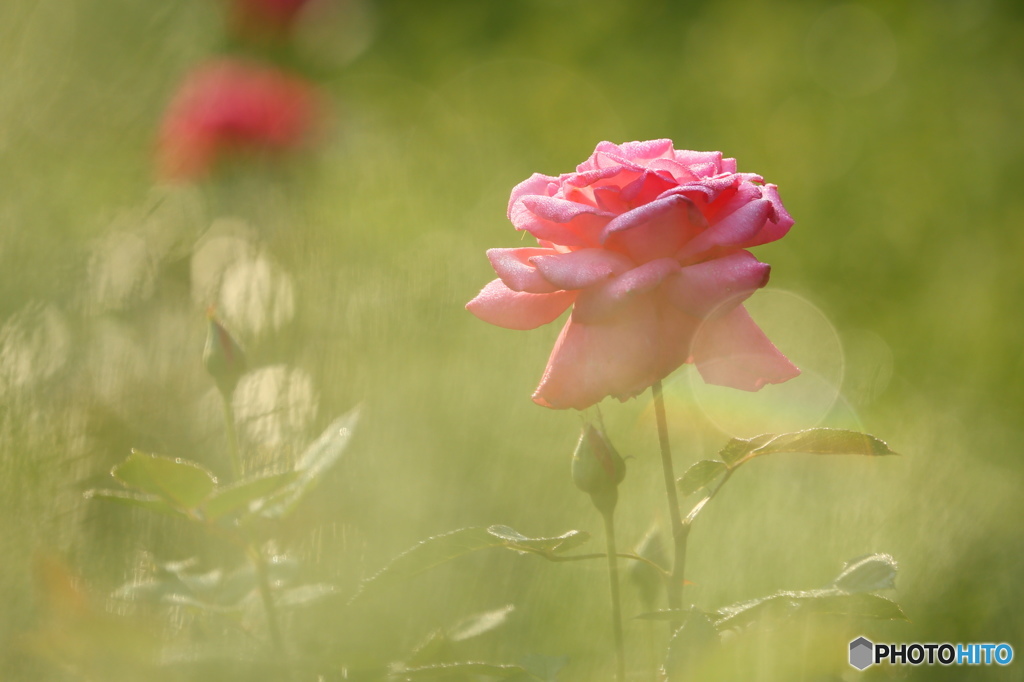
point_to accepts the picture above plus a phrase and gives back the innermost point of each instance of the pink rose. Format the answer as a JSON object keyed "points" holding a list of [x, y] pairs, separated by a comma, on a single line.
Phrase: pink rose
{"points": [[229, 106], [648, 246]]}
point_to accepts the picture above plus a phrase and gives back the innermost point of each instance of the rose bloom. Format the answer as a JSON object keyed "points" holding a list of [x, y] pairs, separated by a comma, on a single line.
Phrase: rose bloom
{"points": [[229, 106], [647, 244]]}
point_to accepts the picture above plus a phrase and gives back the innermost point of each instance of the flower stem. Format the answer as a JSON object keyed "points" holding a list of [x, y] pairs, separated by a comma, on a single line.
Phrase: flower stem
{"points": [[263, 584], [232, 433], [613, 575], [680, 531]]}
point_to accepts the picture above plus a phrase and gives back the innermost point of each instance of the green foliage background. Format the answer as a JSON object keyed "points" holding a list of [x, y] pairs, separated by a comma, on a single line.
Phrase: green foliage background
{"points": [[892, 129]]}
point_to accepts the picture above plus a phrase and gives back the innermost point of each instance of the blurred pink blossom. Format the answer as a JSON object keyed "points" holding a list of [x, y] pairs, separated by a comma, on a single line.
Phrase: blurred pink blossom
{"points": [[647, 244], [230, 106]]}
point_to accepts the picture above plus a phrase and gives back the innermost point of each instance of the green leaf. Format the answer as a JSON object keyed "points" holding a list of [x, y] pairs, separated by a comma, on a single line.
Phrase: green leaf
{"points": [[304, 595], [459, 669], [479, 623], [738, 448], [825, 442], [689, 647], [700, 475], [663, 614], [131, 499], [313, 462], [820, 441], [182, 483], [787, 603], [243, 494], [429, 553], [515, 540], [867, 574]]}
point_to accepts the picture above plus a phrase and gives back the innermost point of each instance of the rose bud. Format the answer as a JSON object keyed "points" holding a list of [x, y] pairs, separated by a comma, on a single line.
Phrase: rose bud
{"points": [[223, 357], [597, 468]]}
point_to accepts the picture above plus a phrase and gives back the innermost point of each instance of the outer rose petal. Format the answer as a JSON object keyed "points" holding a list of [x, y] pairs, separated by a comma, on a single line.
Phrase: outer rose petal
{"points": [[600, 303], [535, 184], [654, 230], [517, 272], [733, 351], [580, 269], [501, 306], [558, 220], [778, 223], [717, 286], [591, 361]]}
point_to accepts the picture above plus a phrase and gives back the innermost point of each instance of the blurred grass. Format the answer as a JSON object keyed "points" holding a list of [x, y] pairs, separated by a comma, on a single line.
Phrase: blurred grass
{"points": [[892, 130]]}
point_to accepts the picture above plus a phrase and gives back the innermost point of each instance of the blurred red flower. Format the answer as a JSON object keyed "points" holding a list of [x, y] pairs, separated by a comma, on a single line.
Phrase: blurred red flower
{"points": [[265, 18], [648, 245], [230, 106]]}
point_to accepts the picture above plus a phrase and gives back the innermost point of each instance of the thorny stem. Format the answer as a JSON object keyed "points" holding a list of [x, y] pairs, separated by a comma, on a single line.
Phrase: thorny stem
{"points": [[680, 531], [613, 576]]}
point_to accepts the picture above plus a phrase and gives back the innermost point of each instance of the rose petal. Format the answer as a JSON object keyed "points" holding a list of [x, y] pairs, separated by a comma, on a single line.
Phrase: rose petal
{"points": [[518, 274], [655, 230], [580, 269], [501, 306], [735, 230], [543, 185], [733, 351], [717, 286], [564, 222], [778, 223], [591, 361], [598, 304]]}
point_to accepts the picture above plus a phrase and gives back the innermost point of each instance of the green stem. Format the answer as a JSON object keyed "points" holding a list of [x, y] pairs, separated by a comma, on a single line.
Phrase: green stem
{"points": [[680, 531], [232, 433], [263, 583], [613, 575]]}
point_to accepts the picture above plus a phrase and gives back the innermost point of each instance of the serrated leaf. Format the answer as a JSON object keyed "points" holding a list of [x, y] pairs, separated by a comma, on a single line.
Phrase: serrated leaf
{"points": [[738, 448], [241, 495], [700, 475], [867, 574], [825, 442], [430, 553], [304, 595], [663, 614], [459, 669], [132, 499], [515, 540], [827, 601], [182, 483], [320, 456]]}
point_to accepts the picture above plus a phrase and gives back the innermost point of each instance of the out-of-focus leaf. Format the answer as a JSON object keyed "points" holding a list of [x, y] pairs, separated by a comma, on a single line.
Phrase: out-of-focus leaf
{"points": [[664, 614], [430, 553], [304, 595], [513, 539], [738, 448], [700, 475], [787, 603], [132, 499], [649, 581], [867, 574], [457, 669], [544, 668], [479, 623], [689, 646], [178, 481], [242, 494], [311, 465]]}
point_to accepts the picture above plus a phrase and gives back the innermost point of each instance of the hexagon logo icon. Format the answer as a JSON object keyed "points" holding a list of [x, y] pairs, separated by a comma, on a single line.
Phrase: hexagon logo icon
{"points": [[861, 653]]}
